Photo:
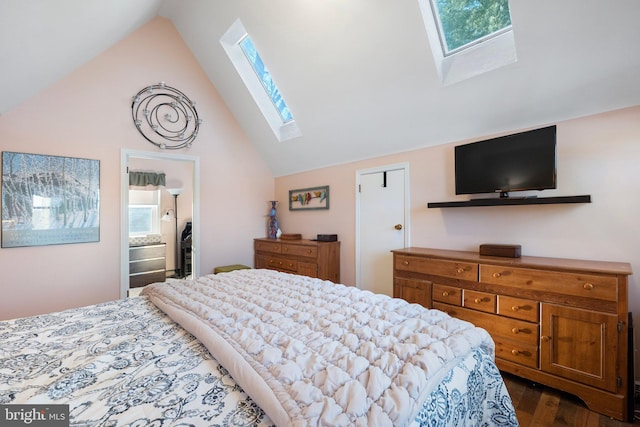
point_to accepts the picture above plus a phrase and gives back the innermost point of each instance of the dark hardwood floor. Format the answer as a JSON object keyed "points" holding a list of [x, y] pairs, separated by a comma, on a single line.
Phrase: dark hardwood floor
{"points": [[540, 406]]}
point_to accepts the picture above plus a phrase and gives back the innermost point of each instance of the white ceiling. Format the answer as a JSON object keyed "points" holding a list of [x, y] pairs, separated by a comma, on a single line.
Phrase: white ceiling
{"points": [[358, 75]]}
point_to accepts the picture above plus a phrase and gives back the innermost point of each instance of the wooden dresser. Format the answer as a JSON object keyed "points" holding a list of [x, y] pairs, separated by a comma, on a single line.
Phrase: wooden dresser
{"points": [[559, 322], [304, 257], [147, 264]]}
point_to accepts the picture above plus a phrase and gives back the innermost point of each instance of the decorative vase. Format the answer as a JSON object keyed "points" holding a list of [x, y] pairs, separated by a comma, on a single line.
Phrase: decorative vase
{"points": [[272, 225]]}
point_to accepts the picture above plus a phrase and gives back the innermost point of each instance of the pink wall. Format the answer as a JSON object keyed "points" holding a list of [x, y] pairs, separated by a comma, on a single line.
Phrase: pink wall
{"points": [[597, 155], [88, 115]]}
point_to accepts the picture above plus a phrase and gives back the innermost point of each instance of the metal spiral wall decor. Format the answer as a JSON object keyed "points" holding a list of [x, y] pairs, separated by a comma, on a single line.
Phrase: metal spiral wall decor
{"points": [[165, 117]]}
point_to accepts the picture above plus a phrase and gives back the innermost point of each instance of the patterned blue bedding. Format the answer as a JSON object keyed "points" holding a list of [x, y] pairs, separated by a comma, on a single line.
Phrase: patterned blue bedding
{"points": [[125, 363]]}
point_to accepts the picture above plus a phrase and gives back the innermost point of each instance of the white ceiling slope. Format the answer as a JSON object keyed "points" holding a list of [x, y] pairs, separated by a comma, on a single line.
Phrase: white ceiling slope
{"points": [[358, 75], [42, 41]]}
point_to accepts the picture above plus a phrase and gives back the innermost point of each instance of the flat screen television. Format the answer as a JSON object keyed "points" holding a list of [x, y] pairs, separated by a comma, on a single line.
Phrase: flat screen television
{"points": [[518, 162]]}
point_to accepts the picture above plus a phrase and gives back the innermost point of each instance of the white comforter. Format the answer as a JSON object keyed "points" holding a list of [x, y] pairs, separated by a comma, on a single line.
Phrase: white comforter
{"points": [[310, 352]]}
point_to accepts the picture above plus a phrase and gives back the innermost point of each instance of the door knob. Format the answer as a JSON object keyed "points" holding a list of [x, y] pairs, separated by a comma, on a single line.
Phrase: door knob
{"points": [[398, 227]]}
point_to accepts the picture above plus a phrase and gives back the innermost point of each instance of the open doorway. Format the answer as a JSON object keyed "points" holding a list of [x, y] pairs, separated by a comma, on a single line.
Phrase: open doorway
{"points": [[178, 204]]}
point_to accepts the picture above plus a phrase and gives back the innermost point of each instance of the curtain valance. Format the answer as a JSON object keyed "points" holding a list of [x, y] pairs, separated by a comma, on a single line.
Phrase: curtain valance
{"points": [[142, 179]]}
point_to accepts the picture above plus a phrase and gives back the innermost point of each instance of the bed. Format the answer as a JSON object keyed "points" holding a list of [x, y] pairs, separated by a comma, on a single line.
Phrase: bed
{"points": [[255, 348]]}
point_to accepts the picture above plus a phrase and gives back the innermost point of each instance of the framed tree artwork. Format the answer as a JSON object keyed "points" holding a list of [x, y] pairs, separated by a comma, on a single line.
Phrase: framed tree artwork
{"points": [[49, 200]]}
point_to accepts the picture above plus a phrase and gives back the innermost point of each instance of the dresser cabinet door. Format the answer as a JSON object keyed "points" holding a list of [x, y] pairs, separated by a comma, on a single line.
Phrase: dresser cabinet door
{"points": [[261, 261], [580, 345], [413, 290], [308, 269]]}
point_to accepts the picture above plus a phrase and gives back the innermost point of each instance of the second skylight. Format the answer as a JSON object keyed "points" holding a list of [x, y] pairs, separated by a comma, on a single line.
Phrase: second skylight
{"points": [[465, 22]]}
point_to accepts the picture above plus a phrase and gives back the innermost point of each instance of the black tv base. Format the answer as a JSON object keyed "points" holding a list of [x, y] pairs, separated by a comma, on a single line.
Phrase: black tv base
{"points": [[510, 201]]}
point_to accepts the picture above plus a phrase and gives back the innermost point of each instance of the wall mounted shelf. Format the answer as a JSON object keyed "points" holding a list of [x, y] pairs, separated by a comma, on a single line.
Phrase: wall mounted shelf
{"points": [[509, 201]]}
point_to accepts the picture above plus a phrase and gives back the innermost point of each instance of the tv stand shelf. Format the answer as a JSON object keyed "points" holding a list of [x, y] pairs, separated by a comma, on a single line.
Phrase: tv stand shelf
{"points": [[507, 201]]}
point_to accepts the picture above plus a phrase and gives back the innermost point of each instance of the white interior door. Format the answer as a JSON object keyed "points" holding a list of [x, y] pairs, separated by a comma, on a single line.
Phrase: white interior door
{"points": [[382, 220]]}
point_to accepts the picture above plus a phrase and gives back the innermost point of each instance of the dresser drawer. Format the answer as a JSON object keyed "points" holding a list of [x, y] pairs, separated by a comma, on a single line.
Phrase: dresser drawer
{"points": [[481, 301], [147, 265], [262, 246], [300, 250], [581, 285], [518, 308], [143, 279], [447, 294], [282, 264], [436, 267], [517, 351], [145, 252], [497, 326]]}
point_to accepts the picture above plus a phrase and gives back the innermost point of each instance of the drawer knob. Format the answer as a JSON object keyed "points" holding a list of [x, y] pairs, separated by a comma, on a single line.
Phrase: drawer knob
{"points": [[460, 270], [515, 330], [515, 352], [406, 263], [445, 294], [515, 308], [285, 249], [496, 274], [588, 286], [545, 338], [477, 300], [309, 251]]}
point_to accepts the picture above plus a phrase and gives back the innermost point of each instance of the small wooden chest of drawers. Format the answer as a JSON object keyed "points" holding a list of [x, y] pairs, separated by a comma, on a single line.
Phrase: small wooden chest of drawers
{"points": [[147, 264], [304, 257]]}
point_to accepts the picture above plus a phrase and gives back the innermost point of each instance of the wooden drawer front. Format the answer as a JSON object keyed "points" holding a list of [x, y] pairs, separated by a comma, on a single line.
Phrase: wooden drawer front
{"points": [[497, 326], [451, 310], [582, 285], [274, 247], [447, 294], [519, 308], [144, 252], [481, 301], [517, 351], [147, 265], [282, 264], [300, 250], [454, 269]]}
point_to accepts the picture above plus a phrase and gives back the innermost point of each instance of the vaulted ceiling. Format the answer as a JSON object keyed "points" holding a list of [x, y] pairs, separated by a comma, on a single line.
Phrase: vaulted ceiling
{"points": [[358, 75]]}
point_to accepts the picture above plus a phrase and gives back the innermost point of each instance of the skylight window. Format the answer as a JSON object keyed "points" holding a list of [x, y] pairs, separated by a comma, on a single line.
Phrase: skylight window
{"points": [[468, 37], [462, 23], [265, 78], [252, 70]]}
